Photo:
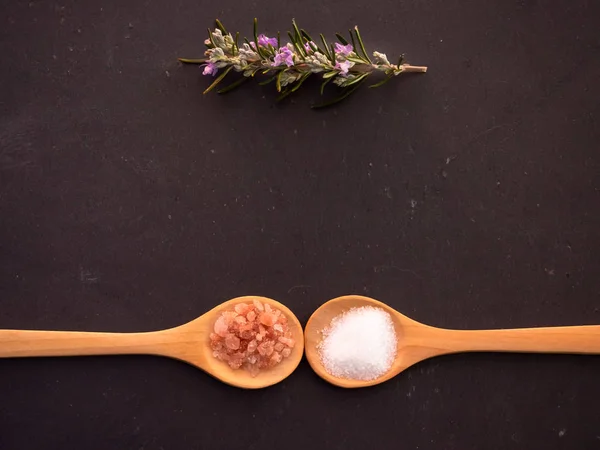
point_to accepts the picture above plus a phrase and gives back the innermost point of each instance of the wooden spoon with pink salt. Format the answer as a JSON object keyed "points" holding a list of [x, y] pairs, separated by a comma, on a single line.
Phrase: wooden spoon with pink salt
{"points": [[248, 342]]}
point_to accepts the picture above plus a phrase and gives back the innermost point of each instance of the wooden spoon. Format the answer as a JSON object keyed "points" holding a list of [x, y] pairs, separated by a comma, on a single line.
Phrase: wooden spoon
{"points": [[188, 342], [417, 341]]}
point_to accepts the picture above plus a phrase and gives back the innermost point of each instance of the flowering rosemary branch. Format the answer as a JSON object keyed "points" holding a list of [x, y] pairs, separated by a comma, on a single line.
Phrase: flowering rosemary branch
{"points": [[289, 65]]}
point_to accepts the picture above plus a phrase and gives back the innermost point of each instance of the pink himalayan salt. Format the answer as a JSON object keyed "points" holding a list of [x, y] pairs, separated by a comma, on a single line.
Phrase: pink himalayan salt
{"points": [[242, 309], [258, 305], [268, 319], [254, 336]]}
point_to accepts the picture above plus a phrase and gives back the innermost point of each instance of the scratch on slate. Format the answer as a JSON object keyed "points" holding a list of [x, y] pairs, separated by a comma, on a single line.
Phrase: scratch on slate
{"points": [[386, 267], [300, 286]]}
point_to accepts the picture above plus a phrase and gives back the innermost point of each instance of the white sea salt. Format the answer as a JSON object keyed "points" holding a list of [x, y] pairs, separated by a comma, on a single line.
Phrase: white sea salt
{"points": [[359, 344]]}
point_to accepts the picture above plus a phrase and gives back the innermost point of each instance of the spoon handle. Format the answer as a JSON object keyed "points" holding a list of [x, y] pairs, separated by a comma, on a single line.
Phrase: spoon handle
{"points": [[576, 339], [24, 343]]}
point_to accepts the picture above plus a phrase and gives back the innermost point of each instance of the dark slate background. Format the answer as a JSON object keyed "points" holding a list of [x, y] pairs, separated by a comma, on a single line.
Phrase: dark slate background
{"points": [[468, 197]]}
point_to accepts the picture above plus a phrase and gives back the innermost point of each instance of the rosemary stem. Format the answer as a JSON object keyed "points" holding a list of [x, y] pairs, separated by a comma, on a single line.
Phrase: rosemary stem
{"points": [[409, 68]]}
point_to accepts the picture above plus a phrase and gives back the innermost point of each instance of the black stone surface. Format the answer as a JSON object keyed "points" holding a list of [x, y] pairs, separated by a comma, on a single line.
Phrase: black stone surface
{"points": [[468, 197]]}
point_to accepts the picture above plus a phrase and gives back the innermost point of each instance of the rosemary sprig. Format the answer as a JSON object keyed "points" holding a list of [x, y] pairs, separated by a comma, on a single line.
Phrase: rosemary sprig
{"points": [[346, 63]]}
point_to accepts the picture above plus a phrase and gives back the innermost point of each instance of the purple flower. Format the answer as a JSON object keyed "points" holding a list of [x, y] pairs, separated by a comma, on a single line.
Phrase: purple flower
{"points": [[285, 56], [343, 50], [343, 67], [308, 47], [210, 69], [266, 41]]}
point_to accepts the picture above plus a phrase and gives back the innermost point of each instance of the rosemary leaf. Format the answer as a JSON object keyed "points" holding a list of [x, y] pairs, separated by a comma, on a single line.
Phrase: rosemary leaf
{"points": [[325, 46], [346, 94], [283, 95], [218, 80], [258, 49], [358, 79], [300, 81], [268, 80], [341, 39], [292, 38], [382, 82], [324, 84], [301, 49], [212, 41], [362, 45], [294, 88], [353, 42], [233, 85], [220, 26], [333, 61], [311, 42], [306, 36], [192, 61], [297, 33], [355, 60]]}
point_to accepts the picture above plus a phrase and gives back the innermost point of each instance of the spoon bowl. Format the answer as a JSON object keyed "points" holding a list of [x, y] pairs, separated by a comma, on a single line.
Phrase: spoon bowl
{"points": [[188, 342], [417, 341]]}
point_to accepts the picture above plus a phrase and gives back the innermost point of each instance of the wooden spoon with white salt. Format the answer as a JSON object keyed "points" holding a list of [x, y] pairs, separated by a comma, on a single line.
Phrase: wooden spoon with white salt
{"points": [[417, 342], [188, 342]]}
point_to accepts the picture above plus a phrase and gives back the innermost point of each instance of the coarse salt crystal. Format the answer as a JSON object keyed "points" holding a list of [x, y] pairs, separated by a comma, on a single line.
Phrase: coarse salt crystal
{"points": [[253, 335], [359, 344]]}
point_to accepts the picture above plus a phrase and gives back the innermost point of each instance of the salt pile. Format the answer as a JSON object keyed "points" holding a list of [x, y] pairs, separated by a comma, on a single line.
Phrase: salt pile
{"points": [[359, 344], [253, 335]]}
